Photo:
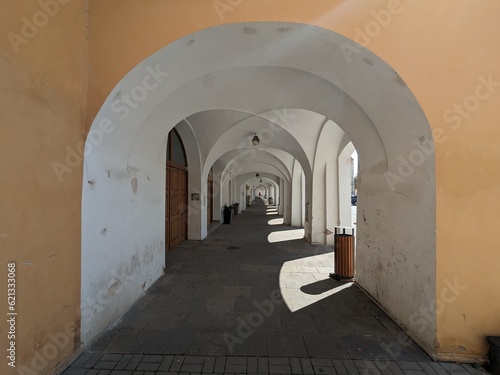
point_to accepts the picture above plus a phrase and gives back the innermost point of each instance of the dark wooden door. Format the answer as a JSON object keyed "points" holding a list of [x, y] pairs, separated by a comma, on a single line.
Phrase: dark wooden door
{"points": [[176, 207]]}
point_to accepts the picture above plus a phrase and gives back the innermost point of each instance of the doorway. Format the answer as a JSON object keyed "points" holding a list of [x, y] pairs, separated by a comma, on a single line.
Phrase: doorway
{"points": [[176, 187]]}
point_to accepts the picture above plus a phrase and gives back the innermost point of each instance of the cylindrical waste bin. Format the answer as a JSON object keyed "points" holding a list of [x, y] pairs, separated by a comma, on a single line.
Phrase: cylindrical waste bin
{"points": [[227, 215], [236, 207], [344, 254], [270, 200]]}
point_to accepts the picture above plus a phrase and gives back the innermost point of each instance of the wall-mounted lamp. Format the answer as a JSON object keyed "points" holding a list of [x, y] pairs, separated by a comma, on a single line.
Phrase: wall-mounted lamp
{"points": [[257, 175], [255, 140]]}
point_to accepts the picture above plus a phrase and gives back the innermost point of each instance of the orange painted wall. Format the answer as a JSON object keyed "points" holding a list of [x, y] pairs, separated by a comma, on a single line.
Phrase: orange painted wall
{"points": [[440, 48], [43, 80]]}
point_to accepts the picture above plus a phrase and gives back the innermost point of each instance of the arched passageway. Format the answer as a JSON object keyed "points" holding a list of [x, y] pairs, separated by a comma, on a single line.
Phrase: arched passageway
{"points": [[304, 111]]}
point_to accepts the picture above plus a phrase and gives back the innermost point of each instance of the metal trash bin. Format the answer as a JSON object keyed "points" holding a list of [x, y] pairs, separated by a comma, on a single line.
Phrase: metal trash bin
{"points": [[344, 255]]}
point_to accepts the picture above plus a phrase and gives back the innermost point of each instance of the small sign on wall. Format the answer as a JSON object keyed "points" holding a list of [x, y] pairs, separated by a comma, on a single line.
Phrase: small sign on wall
{"points": [[195, 197]]}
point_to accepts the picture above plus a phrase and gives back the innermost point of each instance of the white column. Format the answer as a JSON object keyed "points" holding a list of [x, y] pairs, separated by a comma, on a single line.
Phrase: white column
{"points": [[297, 203], [344, 181], [331, 208], [281, 197], [287, 209]]}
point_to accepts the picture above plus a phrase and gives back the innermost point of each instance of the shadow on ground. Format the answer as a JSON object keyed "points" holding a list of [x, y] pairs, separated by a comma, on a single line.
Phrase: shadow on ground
{"points": [[235, 293]]}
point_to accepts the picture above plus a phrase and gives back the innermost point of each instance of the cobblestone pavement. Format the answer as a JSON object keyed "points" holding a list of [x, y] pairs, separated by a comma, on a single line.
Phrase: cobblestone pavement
{"points": [[99, 363], [254, 298]]}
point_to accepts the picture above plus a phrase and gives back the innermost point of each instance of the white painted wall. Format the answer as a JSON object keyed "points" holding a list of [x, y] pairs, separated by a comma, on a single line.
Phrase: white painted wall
{"points": [[297, 193], [344, 185]]}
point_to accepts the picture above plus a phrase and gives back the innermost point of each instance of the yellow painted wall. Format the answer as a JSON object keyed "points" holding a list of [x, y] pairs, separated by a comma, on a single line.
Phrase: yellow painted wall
{"points": [[441, 49], [43, 83]]}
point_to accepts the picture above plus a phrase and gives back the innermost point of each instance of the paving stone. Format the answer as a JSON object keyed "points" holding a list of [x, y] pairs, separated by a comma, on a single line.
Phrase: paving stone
{"points": [[105, 365], [92, 360], [192, 367], [438, 368], [338, 364], [124, 361], [109, 357], [350, 367], [280, 361], [263, 366], [134, 362], [236, 369], [279, 369], [306, 366], [394, 368], [414, 372], [236, 361], [220, 365], [324, 362], [177, 363], [208, 366], [166, 363], [322, 370], [455, 367], [427, 368], [82, 359], [121, 372], [366, 367], [295, 366], [150, 358], [75, 371], [252, 365], [148, 366], [409, 365], [480, 369]]}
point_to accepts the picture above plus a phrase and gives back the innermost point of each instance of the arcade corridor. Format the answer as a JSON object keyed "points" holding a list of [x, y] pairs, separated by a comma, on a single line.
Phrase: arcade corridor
{"points": [[254, 297]]}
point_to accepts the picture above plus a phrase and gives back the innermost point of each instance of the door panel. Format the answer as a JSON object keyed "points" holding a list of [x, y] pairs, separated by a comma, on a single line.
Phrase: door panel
{"points": [[177, 196]]}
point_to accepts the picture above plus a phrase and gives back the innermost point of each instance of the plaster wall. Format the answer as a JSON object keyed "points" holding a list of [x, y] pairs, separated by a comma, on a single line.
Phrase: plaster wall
{"points": [[43, 91]]}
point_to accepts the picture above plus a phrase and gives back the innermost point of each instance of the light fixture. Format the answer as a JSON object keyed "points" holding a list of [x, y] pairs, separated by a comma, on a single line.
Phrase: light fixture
{"points": [[255, 140], [257, 175], [261, 180]]}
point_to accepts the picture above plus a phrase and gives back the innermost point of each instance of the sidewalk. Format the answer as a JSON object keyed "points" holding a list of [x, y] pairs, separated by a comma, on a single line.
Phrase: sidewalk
{"points": [[253, 297]]}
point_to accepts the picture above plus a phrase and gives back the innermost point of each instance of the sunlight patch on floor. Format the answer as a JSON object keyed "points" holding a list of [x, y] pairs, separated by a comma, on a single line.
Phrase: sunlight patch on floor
{"points": [[305, 281], [275, 221], [285, 235]]}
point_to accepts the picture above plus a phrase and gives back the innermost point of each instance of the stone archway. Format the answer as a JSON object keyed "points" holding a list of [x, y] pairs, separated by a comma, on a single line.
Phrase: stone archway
{"points": [[268, 71]]}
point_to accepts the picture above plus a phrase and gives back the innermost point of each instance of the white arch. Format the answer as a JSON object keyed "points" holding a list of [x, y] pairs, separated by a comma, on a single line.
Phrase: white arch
{"points": [[266, 72]]}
